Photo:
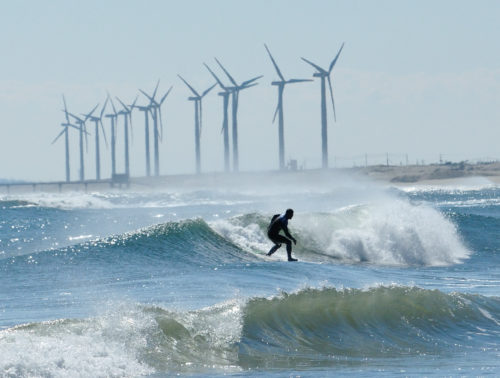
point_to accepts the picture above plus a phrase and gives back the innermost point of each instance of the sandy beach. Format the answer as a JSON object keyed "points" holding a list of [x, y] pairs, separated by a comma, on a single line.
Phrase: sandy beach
{"points": [[432, 174]]}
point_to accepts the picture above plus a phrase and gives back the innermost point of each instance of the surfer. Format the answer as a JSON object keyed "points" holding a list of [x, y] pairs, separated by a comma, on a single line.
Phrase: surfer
{"points": [[278, 223]]}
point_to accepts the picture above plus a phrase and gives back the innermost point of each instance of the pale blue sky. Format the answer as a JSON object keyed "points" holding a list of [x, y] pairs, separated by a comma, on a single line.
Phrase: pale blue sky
{"points": [[415, 77]]}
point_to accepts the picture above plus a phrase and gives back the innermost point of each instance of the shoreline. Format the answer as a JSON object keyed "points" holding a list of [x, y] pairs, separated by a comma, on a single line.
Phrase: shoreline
{"points": [[404, 176]]}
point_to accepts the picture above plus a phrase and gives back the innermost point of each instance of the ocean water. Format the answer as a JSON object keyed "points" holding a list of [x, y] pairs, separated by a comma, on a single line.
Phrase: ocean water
{"points": [[390, 282]]}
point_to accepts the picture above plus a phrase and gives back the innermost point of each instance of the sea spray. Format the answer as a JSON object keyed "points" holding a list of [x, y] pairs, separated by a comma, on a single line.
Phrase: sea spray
{"points": [[398, 233], [393, 232]]}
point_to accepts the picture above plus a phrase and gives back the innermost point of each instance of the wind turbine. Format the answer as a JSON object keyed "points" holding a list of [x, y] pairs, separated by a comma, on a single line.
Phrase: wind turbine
{"points": [[235, 94], [127, 113], [197, 99], [324, 75], [97, 121], [155, 108], [226, 92], [83, 130], [113, 117], [66, 125], [279, 108]]}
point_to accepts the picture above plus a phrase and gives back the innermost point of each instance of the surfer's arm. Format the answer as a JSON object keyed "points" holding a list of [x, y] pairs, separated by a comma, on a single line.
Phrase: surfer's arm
{"points": [[287, 233]]}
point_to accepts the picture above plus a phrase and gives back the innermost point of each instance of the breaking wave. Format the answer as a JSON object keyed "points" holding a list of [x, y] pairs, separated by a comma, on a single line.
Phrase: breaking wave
{"points": [[308, 328], [391, 233]]}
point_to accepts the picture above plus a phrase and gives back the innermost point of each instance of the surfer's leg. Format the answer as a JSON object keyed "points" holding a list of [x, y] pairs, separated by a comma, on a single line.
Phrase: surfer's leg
{"points": [[289, 250], [277, 240], [273, 249]]}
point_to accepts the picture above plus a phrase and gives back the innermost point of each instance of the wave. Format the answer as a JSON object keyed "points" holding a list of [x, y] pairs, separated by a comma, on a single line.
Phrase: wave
{"points": [[309, 328], [388, 233], [457, 185], [190, 241], [64, 201], [122, 200], [455, 197], [394, 232]]}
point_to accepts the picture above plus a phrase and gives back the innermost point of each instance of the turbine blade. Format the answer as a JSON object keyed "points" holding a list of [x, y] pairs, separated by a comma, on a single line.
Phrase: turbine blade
{"points": [[274, 63], [227, 73], [248, 86], [104, 134], [292, 81], [73, 126], [189, 86], [64, 102], [215, 77], [331, 95], [276, 111], [112, 104], [133, 104], [314, 65], [156, 88], [148, 96], [245, 83], [124, 106], [58, 136], [104, 107], [88, 115], [208, 90], [335, 59], [165, 95], [75, 117], [65, 109]]}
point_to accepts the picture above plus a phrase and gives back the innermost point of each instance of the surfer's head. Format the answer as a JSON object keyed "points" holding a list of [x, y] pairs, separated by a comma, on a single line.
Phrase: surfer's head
{"points": [[289, 214]]}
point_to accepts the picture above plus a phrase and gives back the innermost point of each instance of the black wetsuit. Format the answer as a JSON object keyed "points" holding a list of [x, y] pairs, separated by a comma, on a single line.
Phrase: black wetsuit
{"points": [[280, 223]]}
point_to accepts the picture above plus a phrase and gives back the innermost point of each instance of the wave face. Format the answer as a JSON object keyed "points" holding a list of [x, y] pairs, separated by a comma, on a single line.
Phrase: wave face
{"points": [[309, 328], [323, 326], [190, 242], [391, 233]]}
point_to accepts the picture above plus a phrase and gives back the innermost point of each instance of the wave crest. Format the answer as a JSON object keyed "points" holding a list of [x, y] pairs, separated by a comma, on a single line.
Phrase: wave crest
{"points": [[390, 233], [309, 328]]}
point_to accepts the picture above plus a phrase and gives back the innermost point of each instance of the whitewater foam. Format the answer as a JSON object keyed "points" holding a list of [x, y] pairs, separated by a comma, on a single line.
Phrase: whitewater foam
{"points": [[99, 347], [385, 232], [398, 233]]}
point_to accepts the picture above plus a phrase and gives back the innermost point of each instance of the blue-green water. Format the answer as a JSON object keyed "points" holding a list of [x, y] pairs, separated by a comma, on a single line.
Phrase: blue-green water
{"points": [[389, 282]]}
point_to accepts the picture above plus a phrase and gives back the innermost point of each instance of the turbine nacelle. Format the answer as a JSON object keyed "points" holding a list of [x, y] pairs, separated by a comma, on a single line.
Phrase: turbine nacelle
{"points": [[320, 74]]}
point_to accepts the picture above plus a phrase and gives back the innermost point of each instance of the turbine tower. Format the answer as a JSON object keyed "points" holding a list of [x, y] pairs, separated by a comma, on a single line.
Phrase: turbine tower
{"points": [[324, 75], [226, 92], [113, 117], [83, 130], [66, 125], [155, 108], [279, 108], [235, 94], [197, 99], [146, 110], [127, 113], [98, 121]]}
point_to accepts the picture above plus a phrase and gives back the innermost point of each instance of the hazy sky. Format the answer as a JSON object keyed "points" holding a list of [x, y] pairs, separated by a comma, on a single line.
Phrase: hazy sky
{"points": [[415, 77]]}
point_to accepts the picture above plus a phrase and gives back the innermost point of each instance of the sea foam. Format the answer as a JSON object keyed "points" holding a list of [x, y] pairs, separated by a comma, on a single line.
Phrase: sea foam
{"points": [[385, 232]]}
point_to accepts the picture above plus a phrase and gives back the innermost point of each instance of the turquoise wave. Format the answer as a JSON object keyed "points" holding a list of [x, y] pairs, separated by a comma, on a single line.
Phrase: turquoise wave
{"points": [[310, 328], [188, 241]]}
